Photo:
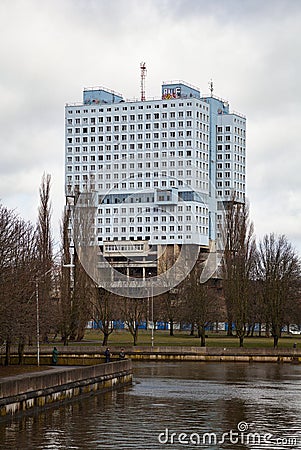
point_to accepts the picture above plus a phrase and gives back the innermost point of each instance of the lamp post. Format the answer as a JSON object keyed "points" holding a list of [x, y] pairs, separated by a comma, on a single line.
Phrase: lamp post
{"points": [[152, 312], [38, 309], [38, 323], [38, 314]]}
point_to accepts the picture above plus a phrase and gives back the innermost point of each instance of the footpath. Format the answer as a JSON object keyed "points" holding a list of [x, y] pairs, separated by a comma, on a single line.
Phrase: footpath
{"points": [[22, 392]]}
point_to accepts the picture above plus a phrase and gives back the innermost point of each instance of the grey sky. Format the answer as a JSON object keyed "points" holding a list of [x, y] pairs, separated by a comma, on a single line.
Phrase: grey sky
{"points": [[251, 49]]}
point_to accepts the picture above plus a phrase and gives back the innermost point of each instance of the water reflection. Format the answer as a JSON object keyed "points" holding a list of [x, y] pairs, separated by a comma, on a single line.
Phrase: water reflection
{"points": [[179, 397]]}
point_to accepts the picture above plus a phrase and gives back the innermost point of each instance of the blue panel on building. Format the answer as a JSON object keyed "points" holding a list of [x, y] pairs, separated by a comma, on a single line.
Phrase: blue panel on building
{"points": [[179, 90], [100, 96]]}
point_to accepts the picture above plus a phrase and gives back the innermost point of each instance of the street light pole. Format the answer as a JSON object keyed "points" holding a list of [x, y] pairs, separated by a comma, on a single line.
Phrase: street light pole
{"points": [[152, 311], [38, 315], [153, 325], [38, 322]]}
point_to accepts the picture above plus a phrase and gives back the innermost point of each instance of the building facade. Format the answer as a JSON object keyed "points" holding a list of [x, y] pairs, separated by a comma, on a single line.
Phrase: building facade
{"points": [[160, 171]]}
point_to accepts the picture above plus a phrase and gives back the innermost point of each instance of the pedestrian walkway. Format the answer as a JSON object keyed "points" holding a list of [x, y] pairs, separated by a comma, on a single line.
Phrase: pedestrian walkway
{"points": [[39, 371]]}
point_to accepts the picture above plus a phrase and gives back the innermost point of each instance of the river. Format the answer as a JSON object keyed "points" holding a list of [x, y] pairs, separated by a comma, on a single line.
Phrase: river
{"points": [[175, 406]]}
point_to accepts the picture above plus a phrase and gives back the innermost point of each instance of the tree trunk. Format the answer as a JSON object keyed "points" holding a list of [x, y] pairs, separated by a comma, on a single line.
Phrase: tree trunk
{"points": [[64, 339], [203, 338], [230, 329], [192, 330], [241, 341], [80, 333], [267, 330], [171, 330], [276, 341], [105, 339], [135, 336], [7, 353], [21, 346]]}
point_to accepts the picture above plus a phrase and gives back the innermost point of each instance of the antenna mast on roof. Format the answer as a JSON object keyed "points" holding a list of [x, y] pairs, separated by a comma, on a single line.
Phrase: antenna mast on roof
{"points": [[143, 75], [211, 87]]}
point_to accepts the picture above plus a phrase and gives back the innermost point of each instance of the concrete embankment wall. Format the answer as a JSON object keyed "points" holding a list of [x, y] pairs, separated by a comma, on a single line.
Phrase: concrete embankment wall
{"points": [[214, 354], [88, 355], [23, 392]]}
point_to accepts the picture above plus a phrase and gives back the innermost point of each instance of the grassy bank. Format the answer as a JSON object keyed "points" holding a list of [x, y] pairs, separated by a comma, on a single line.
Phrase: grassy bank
{"points": [[162, 338]]}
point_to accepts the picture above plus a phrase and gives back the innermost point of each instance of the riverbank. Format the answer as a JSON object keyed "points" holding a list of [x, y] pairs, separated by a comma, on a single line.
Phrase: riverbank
{"points": [[22, 392], [80, 355], [162, 338]]}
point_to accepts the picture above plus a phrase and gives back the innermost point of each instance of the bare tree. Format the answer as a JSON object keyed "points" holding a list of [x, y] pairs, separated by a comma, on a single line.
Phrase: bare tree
{"points": [[45, 256], [83, 285], [278, 270], [133, 312], [65, 284], [201, 302], [44, 223], [168, 307], [238, 265], [18, 253], [104, 312], [83, 294]]}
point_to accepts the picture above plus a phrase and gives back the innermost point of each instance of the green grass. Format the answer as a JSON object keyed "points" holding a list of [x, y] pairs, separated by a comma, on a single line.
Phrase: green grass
{"points": [[162, 338]]}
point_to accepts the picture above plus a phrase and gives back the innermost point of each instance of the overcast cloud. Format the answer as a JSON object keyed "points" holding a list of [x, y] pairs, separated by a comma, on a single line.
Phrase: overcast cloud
{"points": [[251, 49]]}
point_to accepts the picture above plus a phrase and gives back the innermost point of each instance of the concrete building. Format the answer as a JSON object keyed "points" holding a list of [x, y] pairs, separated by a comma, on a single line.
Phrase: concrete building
{"points": [[160, 170]]}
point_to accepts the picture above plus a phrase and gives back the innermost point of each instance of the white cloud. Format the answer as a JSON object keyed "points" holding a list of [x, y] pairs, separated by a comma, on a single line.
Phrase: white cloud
{"points": [[50, 50]]}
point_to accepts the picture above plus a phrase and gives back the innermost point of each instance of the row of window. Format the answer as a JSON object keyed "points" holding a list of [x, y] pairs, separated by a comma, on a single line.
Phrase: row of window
{"points": [[124, 248], [139, 165], [196, 184], [154, 229], [227, 129], [152, 219], [228, 193], [236, 167], [139, 146], [170, 237], [154, 210], [139, 136], [140, 106], [124, 166], [140, 155], [229, 138], [235, 175], [136, 117], [145, 156], [237, 185], [228, 147], [146, 165], [125, 176]]}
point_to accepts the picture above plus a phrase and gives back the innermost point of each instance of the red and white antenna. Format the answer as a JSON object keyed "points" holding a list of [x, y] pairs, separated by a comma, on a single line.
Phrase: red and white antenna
{"points": [[143, 75], [211, 88]]}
